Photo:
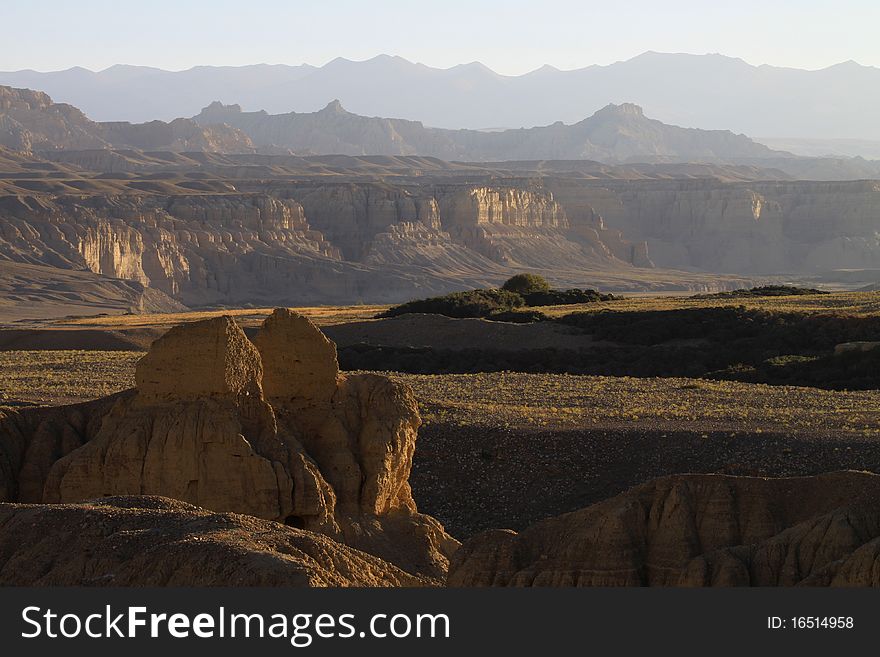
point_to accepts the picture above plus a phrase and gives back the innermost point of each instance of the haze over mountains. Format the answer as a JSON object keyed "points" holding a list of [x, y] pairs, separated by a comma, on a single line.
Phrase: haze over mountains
{"points": [[616, 133], [700, 91], [31, 122]]}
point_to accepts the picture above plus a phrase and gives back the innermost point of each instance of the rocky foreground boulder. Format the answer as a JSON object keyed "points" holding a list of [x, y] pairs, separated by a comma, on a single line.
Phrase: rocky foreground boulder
{"points": [[156, 541], [695, 530], [268, 428]]}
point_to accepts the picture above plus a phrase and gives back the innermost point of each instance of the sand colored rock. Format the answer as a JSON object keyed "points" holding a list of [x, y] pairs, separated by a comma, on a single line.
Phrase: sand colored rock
{"points": [[195, 451], [316, 450], [693, 530], [153, 541], [207, 358], [840, 548], [32, 440], [381, 418], [299, 362]]}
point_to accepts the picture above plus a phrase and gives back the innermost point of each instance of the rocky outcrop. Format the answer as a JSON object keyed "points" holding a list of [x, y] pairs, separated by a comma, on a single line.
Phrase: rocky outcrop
{"points": [[272, 430], [205, 359], [694, 530], [154, 541], [30, 121]]}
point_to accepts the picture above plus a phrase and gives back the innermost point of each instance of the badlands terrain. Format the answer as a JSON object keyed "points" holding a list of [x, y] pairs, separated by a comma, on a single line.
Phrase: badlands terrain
{"points": [[491, 458], [254, 348]]}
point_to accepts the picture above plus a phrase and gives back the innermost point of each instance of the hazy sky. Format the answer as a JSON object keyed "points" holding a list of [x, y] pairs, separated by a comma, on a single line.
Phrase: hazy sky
{"points": [[510, 36]]}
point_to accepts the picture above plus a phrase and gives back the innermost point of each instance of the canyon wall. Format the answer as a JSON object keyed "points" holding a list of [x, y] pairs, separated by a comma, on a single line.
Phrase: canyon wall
{"points": [[747, 228], [515, 224], [303, 242], [198, 249], [308, 240]]}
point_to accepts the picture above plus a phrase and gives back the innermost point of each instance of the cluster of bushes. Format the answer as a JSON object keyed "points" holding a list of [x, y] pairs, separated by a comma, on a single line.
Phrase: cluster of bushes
{"points": [[565, 297], [856, 371], [474, 303], [732, 343], [763, 291], [732, 328], [522, 290], [849, 371]]}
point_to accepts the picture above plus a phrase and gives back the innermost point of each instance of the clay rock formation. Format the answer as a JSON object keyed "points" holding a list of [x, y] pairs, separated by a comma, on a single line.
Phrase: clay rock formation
{"points": [[694, 530], [207, 358], [290, 343], [154, 541], [301, 444]]}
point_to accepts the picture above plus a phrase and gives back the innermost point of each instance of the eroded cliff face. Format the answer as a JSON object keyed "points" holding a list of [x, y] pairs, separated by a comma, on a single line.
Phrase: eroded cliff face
{"points": [[194, 248], [753, 228], [475, 228], [295, 242], [505, 206], [694, 530], [512, 226], [351, 214]]}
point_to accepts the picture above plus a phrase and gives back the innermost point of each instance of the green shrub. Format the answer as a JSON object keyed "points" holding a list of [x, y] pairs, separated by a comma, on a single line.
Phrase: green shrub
{"points": [[789, 359], [520, 316], [763, 291], [474, 303], [526, 284], [565, 297]]}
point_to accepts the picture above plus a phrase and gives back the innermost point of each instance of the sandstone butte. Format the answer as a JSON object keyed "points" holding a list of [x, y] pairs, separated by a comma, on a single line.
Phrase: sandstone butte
{"points": [[268, 429], [695, 530]]}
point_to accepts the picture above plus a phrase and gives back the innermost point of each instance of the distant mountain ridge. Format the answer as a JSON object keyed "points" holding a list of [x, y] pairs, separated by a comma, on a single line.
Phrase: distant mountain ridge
{"points": [[31, 122], [616, 133], [703, 91]]}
